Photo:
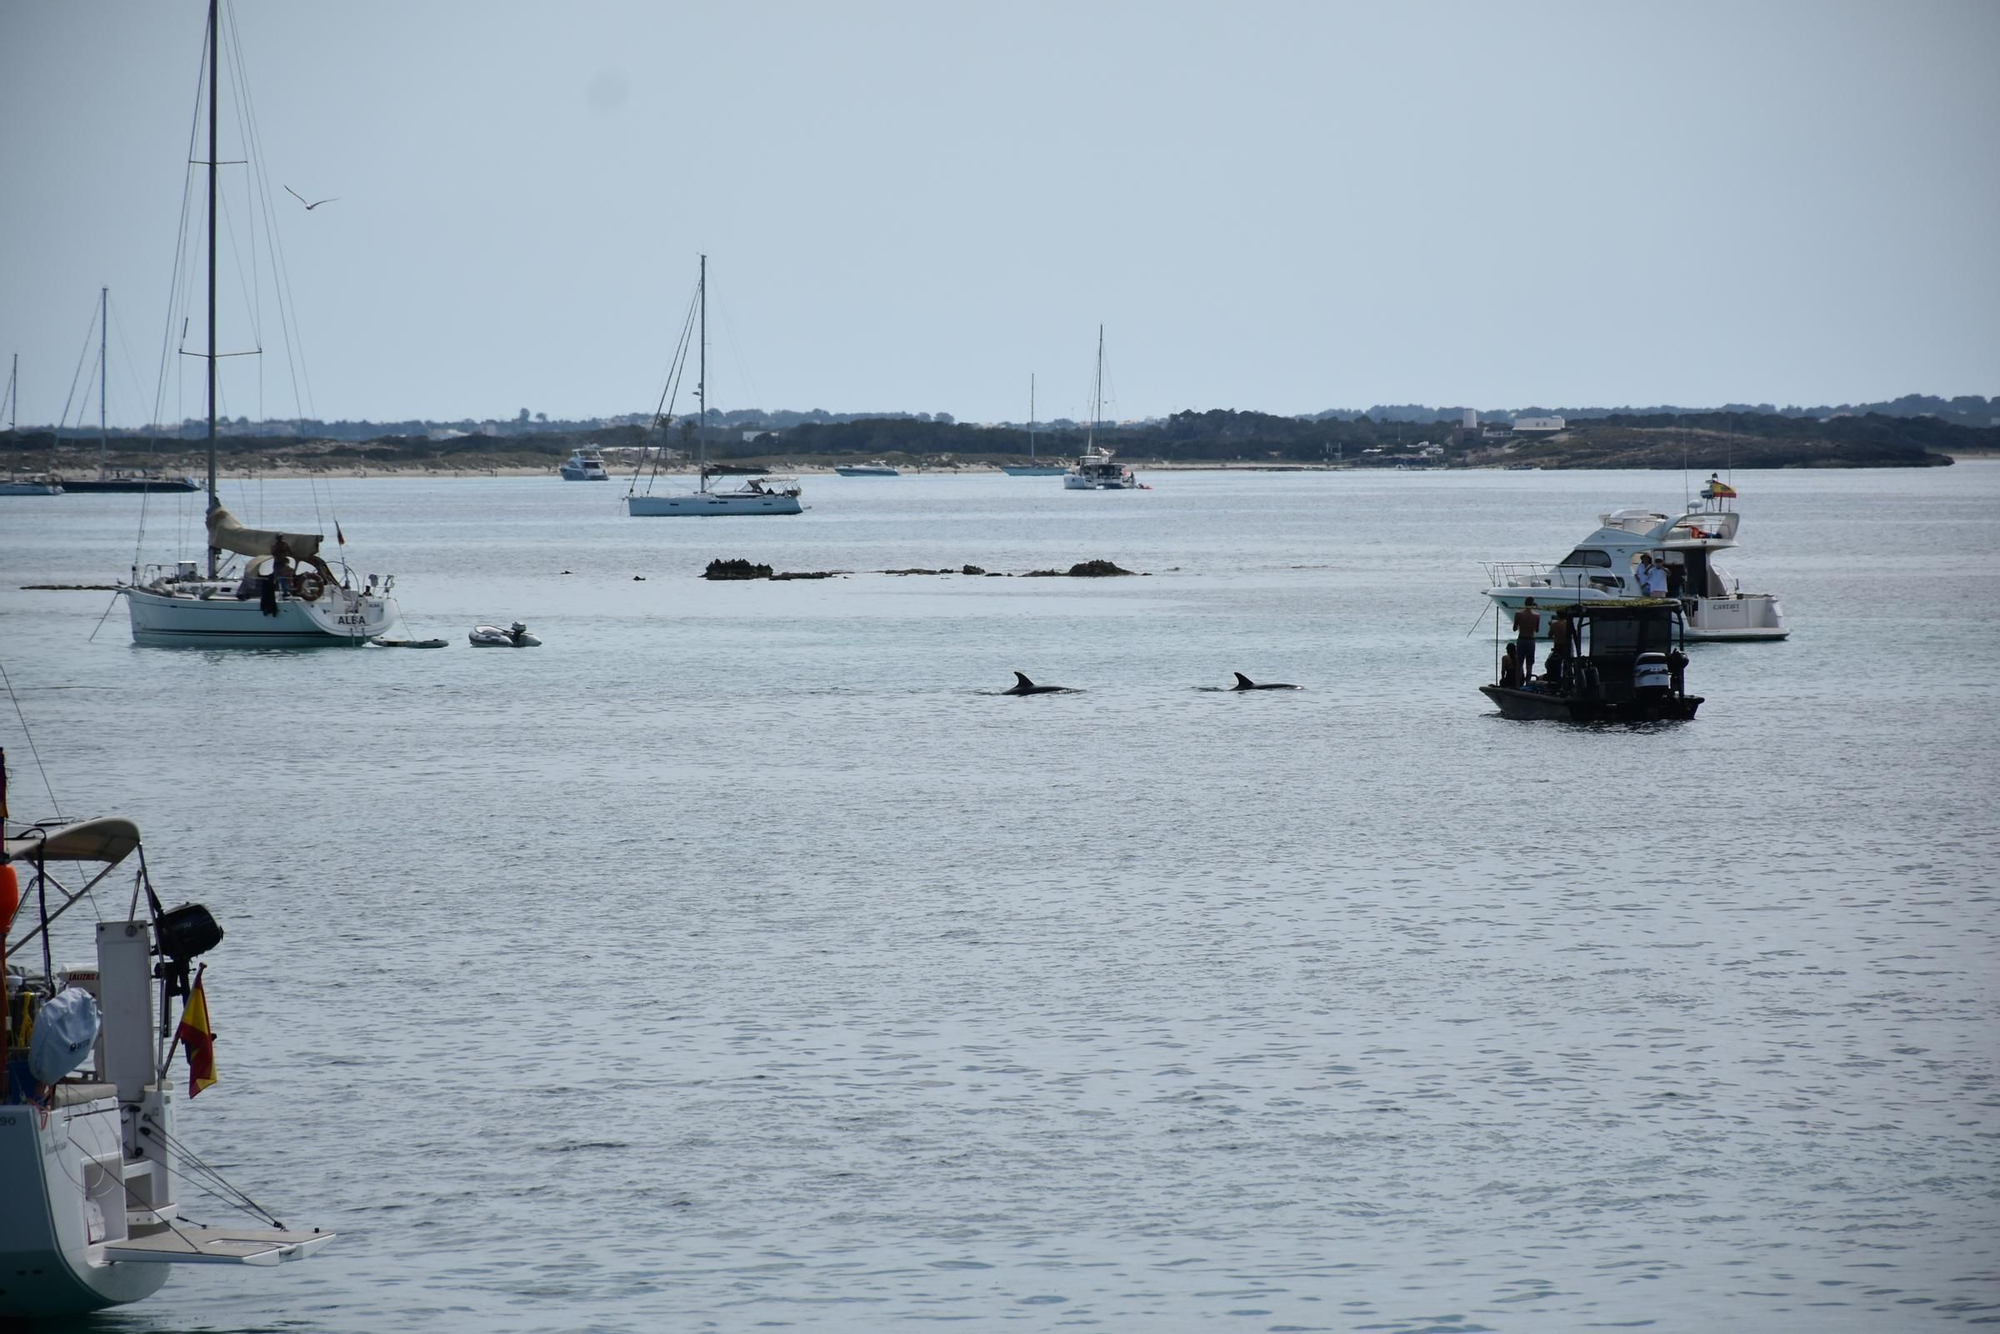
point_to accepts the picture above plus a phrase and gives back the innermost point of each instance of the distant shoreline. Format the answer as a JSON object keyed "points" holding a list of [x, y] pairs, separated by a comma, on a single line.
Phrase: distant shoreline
{"points": [[823, 470]]}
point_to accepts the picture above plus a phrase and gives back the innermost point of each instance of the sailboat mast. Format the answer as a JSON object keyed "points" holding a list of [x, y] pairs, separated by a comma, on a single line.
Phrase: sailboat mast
{"points": [[214, 67], [701, 380], [14, 393], [1031, 416], [1096, 395], [103, 375]]}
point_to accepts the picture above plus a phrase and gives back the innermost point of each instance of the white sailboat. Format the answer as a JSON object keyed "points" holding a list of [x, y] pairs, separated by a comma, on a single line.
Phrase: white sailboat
{"points": [[1095, 469], [266, 601], [34, 484], [758, 494], [90, 1161]]}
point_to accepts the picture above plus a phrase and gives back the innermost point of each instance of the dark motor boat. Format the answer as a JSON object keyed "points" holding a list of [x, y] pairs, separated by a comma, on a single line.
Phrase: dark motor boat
{"points": [[116, 480], [1625, 666]]}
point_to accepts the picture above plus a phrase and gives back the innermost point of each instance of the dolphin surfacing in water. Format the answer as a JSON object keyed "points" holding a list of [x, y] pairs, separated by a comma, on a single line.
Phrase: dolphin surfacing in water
{"points": [[1023, 686], [1245, 683]]}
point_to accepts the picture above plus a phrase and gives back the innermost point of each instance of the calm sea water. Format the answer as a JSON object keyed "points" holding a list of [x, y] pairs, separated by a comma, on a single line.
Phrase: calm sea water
{"points": [[738, 960]]}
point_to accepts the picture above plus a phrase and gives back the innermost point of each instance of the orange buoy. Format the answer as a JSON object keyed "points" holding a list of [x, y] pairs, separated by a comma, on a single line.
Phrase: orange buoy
{"points": [[10, 896]]}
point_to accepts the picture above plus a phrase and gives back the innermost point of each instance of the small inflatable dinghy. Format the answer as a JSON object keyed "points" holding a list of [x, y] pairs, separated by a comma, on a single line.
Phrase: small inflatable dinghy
{"points": [[407, 643], [492, 636]]}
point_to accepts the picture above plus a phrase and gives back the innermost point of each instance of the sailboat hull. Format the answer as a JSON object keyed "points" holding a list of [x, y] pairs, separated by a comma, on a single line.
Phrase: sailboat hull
{"points": [[338, 619], [128, 485], [53, 1259], [700, 504]]}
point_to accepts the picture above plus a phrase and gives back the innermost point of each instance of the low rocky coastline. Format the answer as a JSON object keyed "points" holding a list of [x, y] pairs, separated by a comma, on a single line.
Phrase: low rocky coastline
{"points": [[1187, 442]]}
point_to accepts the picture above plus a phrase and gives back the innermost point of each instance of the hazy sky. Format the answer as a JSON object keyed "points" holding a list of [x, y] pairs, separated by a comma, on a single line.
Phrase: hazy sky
{"points": [[1282, 206]]}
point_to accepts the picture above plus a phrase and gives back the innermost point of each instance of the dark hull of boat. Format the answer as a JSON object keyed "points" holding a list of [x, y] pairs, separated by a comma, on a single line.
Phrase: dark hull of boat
{"points": [[1537, 704], [126, 484]]}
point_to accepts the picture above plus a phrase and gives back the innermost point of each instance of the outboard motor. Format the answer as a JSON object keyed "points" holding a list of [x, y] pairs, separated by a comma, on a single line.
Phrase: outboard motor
{"points": [[1650, 677], [181, 935]]}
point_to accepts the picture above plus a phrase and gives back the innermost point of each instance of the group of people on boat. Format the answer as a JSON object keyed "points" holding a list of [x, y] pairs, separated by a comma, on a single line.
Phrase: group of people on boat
{"points": [[1517, 663]]}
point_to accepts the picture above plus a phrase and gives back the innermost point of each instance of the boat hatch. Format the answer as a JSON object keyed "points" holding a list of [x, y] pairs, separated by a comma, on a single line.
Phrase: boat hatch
{"points": [[217, 1246]]}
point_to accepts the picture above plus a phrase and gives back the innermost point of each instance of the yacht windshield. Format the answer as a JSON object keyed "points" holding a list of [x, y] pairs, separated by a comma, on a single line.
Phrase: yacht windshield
{"points": [[1587, 556]]}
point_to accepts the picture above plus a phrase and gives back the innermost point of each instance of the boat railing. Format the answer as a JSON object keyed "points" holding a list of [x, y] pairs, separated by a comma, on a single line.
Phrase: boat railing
{"points": [[1520, 574], [1706, 525]]}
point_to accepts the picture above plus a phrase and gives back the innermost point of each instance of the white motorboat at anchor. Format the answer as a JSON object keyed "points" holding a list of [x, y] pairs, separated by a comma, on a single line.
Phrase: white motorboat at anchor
{"points": [[583, 467], [89, 1153], [1606, 566], [492, 636]]}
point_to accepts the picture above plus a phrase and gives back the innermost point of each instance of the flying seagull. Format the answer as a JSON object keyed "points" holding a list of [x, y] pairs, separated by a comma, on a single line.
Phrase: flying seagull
{"points": [[302, 199]]}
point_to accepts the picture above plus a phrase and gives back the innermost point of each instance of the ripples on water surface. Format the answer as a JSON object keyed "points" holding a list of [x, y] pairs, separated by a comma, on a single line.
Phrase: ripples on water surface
{"points": [[733, 961]]}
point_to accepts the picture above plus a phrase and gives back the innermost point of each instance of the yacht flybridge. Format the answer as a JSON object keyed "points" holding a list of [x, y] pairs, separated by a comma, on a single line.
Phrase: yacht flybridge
{"points": [[90, 1216], [1607, 566], [270, 599]]}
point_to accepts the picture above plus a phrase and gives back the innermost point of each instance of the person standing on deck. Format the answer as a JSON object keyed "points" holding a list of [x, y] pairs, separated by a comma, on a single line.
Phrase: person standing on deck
{"points": [[1527, 624]]}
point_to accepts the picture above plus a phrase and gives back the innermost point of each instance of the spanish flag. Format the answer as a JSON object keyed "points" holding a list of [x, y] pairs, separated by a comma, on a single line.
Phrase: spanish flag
{"points": [[199, 1039], [1720, 490]]}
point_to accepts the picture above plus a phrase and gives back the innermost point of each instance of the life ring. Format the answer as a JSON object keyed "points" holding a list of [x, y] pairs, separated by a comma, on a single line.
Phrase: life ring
{"points": [[307, 586]]}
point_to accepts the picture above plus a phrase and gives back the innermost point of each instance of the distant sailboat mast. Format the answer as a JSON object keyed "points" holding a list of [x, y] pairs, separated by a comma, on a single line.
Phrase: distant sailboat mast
{"points": [[701, 378], [1031, 416], [103, 376], [214, 86], [1096, 396]]}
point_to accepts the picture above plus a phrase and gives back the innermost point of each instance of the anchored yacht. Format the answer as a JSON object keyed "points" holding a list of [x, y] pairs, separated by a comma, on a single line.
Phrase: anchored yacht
{"points": [[1095, 469], [1606, 566], [759, 493], [584, 467]]}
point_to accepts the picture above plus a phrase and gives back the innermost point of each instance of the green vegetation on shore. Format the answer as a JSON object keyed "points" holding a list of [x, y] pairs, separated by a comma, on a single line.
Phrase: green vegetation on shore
{"points": [[1702, 441]]}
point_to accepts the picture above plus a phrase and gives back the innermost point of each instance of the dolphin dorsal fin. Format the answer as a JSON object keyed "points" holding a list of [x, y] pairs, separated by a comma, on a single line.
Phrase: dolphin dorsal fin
{"points": [[1022, 679], [1243, 682]]}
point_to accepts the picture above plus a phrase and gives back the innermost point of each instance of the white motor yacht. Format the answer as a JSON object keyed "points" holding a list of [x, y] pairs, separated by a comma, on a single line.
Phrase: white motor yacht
{"points": [[584, 467], [1605, 567]]}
